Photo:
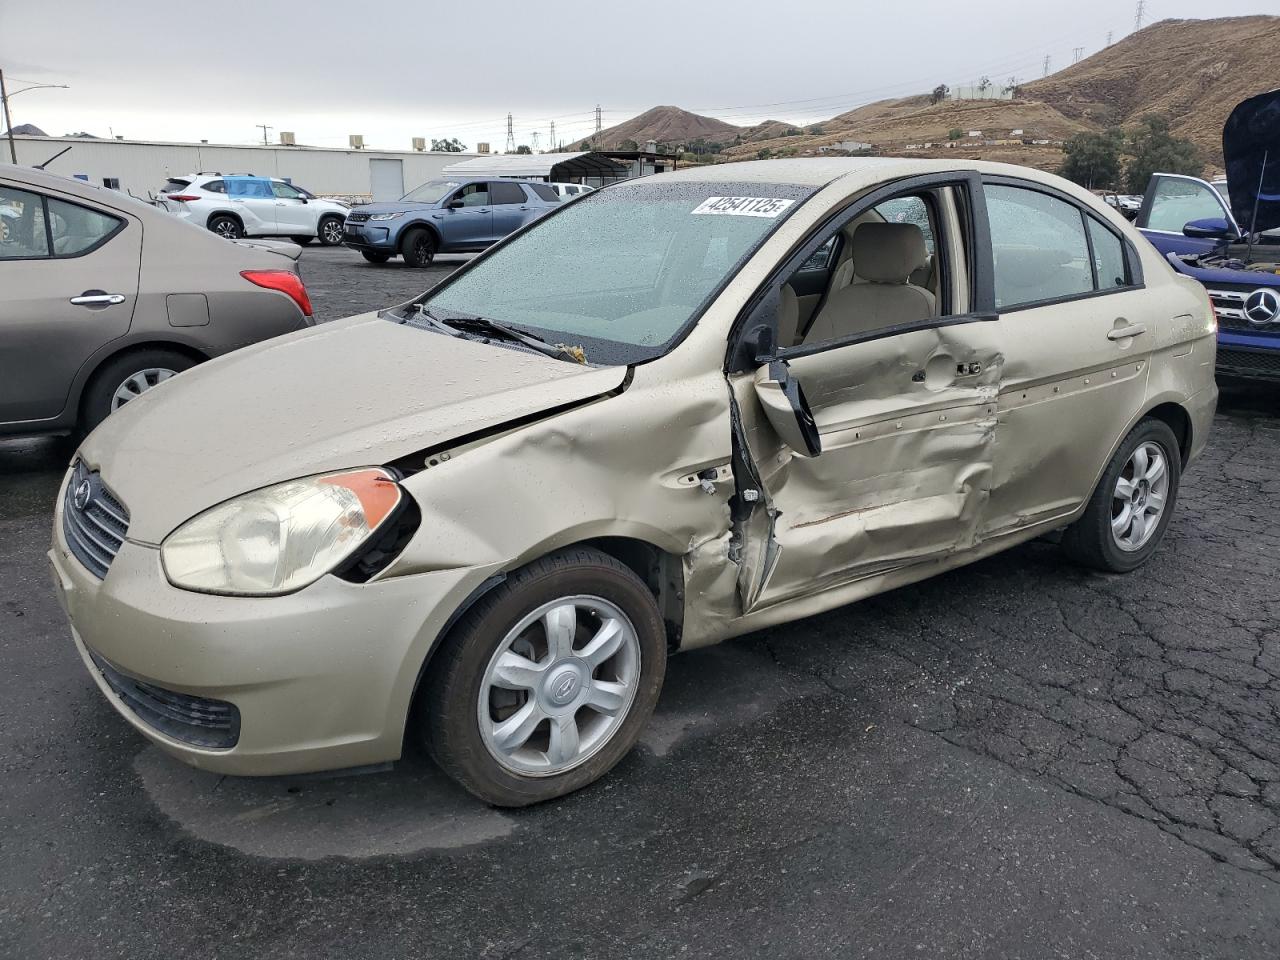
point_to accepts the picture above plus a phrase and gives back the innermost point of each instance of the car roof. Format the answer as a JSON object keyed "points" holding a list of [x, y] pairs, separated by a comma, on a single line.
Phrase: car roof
{"points": [[820, 171]]}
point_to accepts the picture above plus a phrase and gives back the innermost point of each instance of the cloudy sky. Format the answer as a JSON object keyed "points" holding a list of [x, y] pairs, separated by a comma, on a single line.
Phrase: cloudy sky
{"points": [[396, 69]]}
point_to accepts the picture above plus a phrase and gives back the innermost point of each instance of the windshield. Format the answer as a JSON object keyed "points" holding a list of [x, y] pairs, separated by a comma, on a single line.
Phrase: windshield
{"points": [[433, 191], [621, 271]]}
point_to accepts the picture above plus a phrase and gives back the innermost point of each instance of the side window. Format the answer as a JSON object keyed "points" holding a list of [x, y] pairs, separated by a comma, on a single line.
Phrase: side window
{"points": [[1039, 247], [249, 188], [215, 186], [1108, 257], [76, 229], [22, 226], [1176, 202], [283, 191], [501, 192], [474, 195], [545, 192]]}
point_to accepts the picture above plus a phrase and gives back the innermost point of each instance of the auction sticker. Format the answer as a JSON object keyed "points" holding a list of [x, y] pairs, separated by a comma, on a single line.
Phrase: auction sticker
{"points": [[744, 206]]}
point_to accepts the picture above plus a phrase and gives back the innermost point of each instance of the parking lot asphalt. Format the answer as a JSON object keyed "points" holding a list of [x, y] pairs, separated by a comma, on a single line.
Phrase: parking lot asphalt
{"points": [[1019, 758]]}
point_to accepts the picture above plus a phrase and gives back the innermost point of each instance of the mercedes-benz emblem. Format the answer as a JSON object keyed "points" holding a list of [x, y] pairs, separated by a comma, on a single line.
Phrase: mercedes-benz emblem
{"points": [[81, 495], [1262, 307]]}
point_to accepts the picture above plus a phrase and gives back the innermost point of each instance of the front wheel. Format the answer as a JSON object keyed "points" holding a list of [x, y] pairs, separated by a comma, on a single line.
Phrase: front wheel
{"points": [[418, 247], [1129, 511], [330, 231], [545, 684]]}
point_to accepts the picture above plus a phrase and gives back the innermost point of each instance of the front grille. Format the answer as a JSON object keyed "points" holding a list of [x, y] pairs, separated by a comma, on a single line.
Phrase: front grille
{"points": [[1229, 307], [195, 720], [1261, 363], [93, 521], [356, 216]]}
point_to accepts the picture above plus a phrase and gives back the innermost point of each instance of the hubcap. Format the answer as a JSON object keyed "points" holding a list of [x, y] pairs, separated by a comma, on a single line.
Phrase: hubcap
{"points": [[559, 686], [138, 384], [1139, 499]]}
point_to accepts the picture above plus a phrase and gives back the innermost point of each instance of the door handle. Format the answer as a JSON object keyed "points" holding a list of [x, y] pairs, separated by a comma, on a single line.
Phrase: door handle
{"points": [[1125, 332], [97, 299]]}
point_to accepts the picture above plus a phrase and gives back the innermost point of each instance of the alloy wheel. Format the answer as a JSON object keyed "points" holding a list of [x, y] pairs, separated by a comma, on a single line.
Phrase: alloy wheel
{"points": [[559, 686], [332, 230], [1138, 502]]}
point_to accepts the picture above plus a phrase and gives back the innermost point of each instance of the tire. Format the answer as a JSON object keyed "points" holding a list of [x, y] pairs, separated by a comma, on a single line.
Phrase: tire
{"points": [[302, 241], [145, 367], [459, 698], [374, 257], [330, 231], [226, 226], [418, 247], [1101, 539]]}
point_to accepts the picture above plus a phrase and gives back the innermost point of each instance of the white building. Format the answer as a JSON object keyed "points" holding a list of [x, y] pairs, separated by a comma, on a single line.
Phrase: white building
{"points": [[142, 166]]}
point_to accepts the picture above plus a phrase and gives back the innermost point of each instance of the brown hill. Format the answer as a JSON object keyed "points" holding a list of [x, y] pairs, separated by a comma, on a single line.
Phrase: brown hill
{"points": [[667, 125], [1191, 71]]}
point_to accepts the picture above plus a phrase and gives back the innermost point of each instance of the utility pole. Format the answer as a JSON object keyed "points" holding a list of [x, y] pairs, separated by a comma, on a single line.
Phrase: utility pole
{"points": [[511, 135], [1140, 15], [8, 124], [553, 137], [596, 139], [1076, 54], [264, 128], [1046, 65]]}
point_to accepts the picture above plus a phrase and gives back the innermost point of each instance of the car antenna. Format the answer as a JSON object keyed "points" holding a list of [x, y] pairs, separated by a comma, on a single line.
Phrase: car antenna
{"points": [[41, 166]]}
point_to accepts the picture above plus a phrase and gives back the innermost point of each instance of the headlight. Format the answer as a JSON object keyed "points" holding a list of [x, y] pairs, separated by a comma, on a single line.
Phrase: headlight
{"points": [[383, 216], [280, 538]]}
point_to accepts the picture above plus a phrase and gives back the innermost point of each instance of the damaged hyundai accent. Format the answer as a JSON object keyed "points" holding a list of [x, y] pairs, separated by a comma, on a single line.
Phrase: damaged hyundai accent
{"points": [[677, 410]]}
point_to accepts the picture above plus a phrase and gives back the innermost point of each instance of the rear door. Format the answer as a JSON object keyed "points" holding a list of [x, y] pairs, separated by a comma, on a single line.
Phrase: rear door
{"points": [[1078, 329], [511, 207], [68, 284], [252, 199]]}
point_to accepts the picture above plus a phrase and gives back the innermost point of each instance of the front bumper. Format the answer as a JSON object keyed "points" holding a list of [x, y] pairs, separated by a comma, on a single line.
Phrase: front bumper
{"points": [[369, 236], [321, 679]]}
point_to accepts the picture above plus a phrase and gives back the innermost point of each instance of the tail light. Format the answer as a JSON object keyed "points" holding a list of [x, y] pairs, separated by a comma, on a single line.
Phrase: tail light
{"points": [[284, 281], [184, 197]]}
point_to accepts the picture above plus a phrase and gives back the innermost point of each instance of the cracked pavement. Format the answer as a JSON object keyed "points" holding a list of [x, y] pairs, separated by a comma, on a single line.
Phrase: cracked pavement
{"points": [[1019, 758]]}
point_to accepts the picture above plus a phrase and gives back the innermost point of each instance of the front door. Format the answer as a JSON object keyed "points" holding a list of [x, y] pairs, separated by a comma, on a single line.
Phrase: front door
{"points": [[468, 218], [894, 466], [295, 216], [1171, 202], [1078, 330], [69, 273]]}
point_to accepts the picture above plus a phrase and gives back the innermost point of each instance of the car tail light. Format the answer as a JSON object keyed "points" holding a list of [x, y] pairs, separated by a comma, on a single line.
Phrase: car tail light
{"points": [[184, 197], [285, 282]]}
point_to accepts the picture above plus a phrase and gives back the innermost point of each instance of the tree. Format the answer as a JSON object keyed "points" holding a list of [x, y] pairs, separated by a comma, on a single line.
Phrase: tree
{"points": [[1093, 159], [764, 154], [955, 133], [628, 145], [816, 130], [1155, 150], [448, 145], [523, 148], [984, 85], [939, 93]]}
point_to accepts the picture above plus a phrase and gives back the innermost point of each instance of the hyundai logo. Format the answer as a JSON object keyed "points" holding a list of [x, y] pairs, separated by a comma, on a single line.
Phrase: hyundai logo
{"points": [[80, 497], [1262, 307]]}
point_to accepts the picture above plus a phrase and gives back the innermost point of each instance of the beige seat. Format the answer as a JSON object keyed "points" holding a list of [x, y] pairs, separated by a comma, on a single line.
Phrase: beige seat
{"points": [[788, 316], [884, 255]]}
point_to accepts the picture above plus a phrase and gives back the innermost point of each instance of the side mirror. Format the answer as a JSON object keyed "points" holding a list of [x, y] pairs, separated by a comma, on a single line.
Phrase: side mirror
{"points": [[303, 199], [1211, 228], [455, 204], [787, 409]]}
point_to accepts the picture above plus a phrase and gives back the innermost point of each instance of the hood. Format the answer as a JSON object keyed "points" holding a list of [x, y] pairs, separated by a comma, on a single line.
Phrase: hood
{"points": [[357, 392], [1251, 150], [394, 206]]}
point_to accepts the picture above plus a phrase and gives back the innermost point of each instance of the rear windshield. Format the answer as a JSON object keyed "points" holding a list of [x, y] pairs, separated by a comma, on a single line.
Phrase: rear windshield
{"points": [[545, 192], [623, 271], [175, 186], [433, 191]]}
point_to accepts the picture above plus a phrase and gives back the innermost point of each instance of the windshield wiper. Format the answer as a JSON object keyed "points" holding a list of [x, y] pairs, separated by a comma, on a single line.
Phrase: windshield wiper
{"points": [[455, 326]]}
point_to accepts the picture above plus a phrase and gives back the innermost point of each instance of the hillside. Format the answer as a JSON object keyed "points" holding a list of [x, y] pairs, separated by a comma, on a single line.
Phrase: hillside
{"points": [[1191, 71], [665, 124]]}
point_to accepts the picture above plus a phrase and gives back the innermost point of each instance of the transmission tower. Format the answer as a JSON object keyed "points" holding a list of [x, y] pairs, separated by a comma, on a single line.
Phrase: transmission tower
{"points": [[533, 141], [552, 138], [1140, 15], [597, 136], [1047, 60], [1109, 35], [1076, 54], [511, 135]]}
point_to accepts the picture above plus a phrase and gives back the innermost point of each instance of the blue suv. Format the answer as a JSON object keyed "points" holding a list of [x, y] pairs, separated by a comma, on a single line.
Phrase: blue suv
{"points": [[1200, 231], [446, 216]]}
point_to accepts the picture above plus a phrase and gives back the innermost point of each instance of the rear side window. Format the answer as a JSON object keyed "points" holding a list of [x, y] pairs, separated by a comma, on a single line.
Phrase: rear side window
{"points": [[545, 192], [1108, 257], [506, 193], [215, 186], [76, 229], [1039, 246], [22, 226]]}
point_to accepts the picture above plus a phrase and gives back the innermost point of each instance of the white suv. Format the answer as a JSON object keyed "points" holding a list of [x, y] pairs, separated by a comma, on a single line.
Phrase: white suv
{"points": [[567, 191], [242, 205]]}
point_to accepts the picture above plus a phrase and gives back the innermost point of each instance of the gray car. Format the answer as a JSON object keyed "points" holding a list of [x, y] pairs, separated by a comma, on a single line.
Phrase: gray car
{"points": [[102, 297]]}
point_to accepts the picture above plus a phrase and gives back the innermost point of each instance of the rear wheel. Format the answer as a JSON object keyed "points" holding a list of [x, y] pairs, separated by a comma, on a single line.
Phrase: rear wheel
{"points": [[547, 681], [126, 377], [1130, 510], [330, 231], [374, 257], [418, 247], [226, 226]]}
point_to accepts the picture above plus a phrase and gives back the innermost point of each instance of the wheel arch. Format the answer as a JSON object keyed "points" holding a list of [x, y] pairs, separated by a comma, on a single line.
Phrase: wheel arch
{"points": [[1179, 421], [413, 225], [223, 213], [91, 369]]}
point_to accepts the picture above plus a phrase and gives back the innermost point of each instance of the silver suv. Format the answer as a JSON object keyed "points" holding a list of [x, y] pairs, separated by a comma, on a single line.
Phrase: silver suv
{"points": [[243, 205]]}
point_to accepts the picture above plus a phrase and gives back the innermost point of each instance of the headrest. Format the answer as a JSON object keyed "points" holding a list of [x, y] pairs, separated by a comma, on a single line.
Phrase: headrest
{"points": [[888, 252]]}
